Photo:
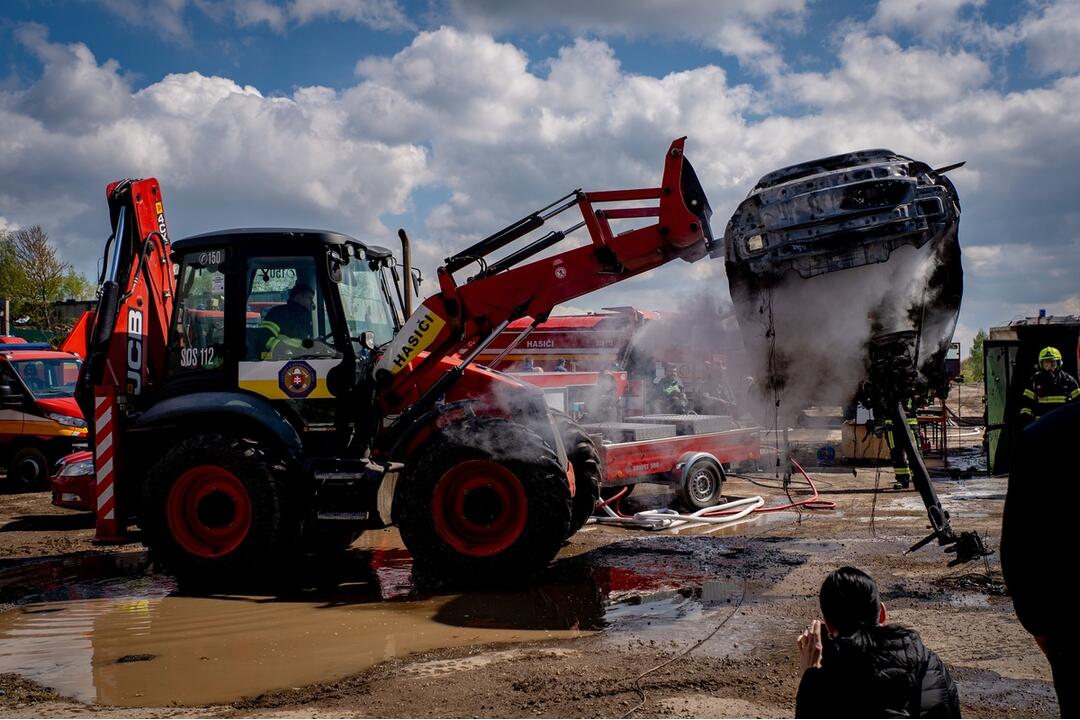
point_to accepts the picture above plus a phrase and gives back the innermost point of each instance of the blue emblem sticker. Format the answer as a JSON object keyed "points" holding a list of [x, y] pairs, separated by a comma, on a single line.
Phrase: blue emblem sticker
{"points": [[826, 454], [297, 379]]}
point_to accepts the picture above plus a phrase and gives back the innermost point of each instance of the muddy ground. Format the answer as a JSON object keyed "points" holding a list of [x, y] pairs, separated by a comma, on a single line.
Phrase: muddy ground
{"points": [[84, 635]]}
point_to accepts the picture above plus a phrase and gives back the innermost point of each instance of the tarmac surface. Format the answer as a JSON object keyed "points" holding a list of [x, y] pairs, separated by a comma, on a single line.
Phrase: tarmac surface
{"points": [[87, 631]]}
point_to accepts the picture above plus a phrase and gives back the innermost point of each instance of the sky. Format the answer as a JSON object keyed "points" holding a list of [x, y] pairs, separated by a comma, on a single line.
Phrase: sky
{"points": [[453, 118]]}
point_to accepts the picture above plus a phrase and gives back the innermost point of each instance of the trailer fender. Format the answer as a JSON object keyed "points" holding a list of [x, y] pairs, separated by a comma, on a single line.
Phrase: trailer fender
{"points": [[235, 409], [686, 461], [698, 480]]}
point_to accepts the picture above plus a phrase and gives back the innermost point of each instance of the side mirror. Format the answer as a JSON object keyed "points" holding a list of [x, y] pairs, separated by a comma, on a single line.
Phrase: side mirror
{"points": [[9, 397], [333, 264]]}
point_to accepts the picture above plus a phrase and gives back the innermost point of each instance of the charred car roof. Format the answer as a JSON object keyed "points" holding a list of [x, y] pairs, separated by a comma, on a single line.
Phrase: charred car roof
{"points": [[838, 212]]}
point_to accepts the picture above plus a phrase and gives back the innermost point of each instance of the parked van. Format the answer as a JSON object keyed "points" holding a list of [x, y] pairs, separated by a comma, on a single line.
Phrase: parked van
{"points": [[40, 421]]}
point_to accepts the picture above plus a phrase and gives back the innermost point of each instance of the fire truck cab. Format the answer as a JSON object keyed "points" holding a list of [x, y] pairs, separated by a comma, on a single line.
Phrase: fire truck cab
{"points": [[40, 421]]}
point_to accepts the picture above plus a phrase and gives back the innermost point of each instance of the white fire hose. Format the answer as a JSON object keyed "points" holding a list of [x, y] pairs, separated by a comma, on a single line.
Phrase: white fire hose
{"points": [[666, 519]]}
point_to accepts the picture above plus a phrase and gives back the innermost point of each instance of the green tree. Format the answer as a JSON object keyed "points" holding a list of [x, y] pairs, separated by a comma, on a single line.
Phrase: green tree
{"points": [[973, 366], [75, 286], [44, 273], [13, 283]]}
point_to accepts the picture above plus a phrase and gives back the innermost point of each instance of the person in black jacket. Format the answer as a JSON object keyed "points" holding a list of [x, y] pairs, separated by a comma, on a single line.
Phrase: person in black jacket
{"points": [[865, 668], [1036, 528], [1050, 387]]}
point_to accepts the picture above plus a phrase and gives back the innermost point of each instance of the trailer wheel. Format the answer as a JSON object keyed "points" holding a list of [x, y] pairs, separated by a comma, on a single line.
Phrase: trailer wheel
{"points": [[494, 509], [216, 510], [28, 470], [703, 486], [588, 475]]}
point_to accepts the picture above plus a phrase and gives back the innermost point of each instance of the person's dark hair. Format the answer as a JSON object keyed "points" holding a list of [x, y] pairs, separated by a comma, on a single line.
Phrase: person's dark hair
{"points": [[849, 600], [300, 289]]}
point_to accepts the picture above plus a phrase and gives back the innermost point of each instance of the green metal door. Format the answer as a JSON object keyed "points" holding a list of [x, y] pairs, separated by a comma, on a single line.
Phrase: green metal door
{"points": [[999, 357]]}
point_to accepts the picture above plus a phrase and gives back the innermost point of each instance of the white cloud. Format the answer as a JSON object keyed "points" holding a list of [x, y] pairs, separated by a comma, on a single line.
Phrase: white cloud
{"points": [[925, 17], [736, 27], [547, 135], [877, 75], [164, 17], [254, 12], [73, 89], [498, 134], [1049, 31], [379, 14], [225, 154], [979, 256], [168, 18], [1066, 306], [1052, 37], [458, 83]]}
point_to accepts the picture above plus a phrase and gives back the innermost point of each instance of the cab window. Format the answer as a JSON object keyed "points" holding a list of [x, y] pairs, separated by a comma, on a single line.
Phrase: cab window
{"points": [[367, 300], [287, 315], [49, 378], [198, 333]]}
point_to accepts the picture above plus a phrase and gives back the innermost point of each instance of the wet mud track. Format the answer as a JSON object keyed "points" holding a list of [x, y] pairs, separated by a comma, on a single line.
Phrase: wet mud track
{"points": [[365, 636], [105, 630]]}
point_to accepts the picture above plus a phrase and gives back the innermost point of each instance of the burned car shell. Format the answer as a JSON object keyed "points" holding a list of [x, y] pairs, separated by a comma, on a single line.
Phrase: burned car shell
{"points": [[838, 212], [843, 212]]}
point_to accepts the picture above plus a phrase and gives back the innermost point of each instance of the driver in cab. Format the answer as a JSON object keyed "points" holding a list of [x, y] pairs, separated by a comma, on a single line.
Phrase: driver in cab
{"points": [[288, 326]]}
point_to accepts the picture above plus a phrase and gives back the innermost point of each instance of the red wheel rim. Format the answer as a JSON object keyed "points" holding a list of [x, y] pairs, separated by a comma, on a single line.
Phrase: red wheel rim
{"points": [[479, 508], [209, 511]]}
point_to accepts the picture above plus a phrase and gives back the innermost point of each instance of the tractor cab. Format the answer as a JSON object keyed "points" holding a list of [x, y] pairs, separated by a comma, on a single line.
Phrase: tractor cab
{"points": [[278, 313]]}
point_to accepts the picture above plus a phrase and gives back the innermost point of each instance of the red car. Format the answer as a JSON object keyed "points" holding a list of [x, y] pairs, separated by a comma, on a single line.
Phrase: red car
{"points": [[39, 418], [73, 482]]}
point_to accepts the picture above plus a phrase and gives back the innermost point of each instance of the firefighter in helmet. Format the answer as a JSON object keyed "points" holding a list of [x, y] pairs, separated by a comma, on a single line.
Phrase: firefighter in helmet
{"points": [[1050, 388], [896, 452]]}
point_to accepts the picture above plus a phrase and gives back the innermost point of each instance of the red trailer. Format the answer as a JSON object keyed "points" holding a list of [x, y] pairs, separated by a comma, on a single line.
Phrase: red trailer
{"points": [[688, 452], [693, 464]]}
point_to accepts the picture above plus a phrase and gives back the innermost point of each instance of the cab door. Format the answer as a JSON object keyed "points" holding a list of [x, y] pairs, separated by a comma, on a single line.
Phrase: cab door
{"points": [[12, 402], [290, 343]]}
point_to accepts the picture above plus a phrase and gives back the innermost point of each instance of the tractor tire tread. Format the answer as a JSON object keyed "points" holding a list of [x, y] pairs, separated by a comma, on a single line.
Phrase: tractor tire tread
{"points": [[588, 471], [275, 525], [530, 458]]}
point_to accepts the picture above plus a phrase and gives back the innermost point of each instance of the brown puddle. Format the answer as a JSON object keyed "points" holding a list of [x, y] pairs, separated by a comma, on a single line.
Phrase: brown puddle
{"points": [[132, 641], [196, 651]]}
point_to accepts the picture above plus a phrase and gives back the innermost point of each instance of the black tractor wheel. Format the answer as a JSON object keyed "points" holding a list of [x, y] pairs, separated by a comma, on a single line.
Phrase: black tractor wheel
{"points": [[28, 470], [217, 511], [588, 474], [485, 501], [704, 485]]}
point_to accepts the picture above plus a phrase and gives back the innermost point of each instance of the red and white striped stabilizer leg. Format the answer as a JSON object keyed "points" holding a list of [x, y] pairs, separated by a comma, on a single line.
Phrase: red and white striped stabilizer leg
{"points": [[108, 528]]}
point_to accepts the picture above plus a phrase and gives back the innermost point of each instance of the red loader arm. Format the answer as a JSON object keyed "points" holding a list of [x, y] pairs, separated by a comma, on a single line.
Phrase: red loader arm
{"points": [[475, 312], [126, 349]]}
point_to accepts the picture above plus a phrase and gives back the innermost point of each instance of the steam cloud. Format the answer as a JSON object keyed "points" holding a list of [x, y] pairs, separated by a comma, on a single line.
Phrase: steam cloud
{"points": [[806, 339]]}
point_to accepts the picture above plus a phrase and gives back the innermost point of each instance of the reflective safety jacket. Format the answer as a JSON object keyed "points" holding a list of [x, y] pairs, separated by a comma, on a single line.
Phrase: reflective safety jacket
{"points": [[1049, 390], [288, 324]]}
